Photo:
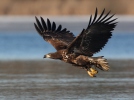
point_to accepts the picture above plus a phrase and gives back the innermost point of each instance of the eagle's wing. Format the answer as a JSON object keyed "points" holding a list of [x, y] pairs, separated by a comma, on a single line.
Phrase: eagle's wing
{"points": [[59, 38], [94, 38]]}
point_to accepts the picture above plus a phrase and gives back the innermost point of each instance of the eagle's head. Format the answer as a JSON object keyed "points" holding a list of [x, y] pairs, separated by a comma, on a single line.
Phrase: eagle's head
{"points": [[47, 56], [54, 55]]}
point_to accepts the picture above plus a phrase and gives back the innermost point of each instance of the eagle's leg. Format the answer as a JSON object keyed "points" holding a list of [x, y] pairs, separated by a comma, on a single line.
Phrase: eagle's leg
{"points": [[99, 62], [91, 71]]}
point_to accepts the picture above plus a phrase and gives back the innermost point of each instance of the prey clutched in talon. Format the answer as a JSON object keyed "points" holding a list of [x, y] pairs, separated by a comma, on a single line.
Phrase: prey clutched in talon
{"points": [[92, 72]]}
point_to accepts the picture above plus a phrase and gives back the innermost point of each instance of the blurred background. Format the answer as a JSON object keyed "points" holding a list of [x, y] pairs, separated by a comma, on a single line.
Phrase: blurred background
{"points": [[64, 7], [25, 75]]}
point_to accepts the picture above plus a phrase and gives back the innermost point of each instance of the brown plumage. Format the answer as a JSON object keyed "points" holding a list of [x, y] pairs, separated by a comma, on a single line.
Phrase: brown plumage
{"points": [[79, 50]]}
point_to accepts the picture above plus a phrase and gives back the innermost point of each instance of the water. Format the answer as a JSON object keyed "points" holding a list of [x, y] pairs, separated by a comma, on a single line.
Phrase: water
{"points": [[21, 41], [41, 80]]}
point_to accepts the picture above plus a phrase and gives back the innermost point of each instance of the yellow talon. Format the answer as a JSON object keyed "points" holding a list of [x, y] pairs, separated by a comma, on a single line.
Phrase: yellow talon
{"points": [[90, 73], [94, 71]]}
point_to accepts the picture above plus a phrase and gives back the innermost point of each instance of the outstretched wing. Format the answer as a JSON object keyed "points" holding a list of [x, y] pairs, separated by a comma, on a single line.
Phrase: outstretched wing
{"points": [[94, 38], [59, 38]]}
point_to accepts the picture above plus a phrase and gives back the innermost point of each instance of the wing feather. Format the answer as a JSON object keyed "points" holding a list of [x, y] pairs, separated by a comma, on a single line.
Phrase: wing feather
{"points": [[37, 29], [105, 16], [59, 28], [95, 16], [53, 26], [100, 16], [39, 24], [94, 38], [89, 21], [48, 25], [60, 39], [43, 23]]}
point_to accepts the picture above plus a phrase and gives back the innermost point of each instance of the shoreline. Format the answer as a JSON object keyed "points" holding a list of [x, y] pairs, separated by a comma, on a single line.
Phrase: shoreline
{"points": [[64, 18]]}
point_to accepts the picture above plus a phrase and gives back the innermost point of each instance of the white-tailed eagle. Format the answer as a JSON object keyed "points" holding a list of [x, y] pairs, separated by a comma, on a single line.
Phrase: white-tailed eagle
{"points": [[79, 50]]}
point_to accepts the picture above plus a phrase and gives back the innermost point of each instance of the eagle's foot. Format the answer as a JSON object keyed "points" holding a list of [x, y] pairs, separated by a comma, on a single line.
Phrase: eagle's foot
{"points": [[99, 62], [92, 72]]}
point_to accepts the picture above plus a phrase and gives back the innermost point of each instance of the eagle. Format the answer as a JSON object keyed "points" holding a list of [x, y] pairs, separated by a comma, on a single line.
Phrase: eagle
{"points": [[79, 50]]}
